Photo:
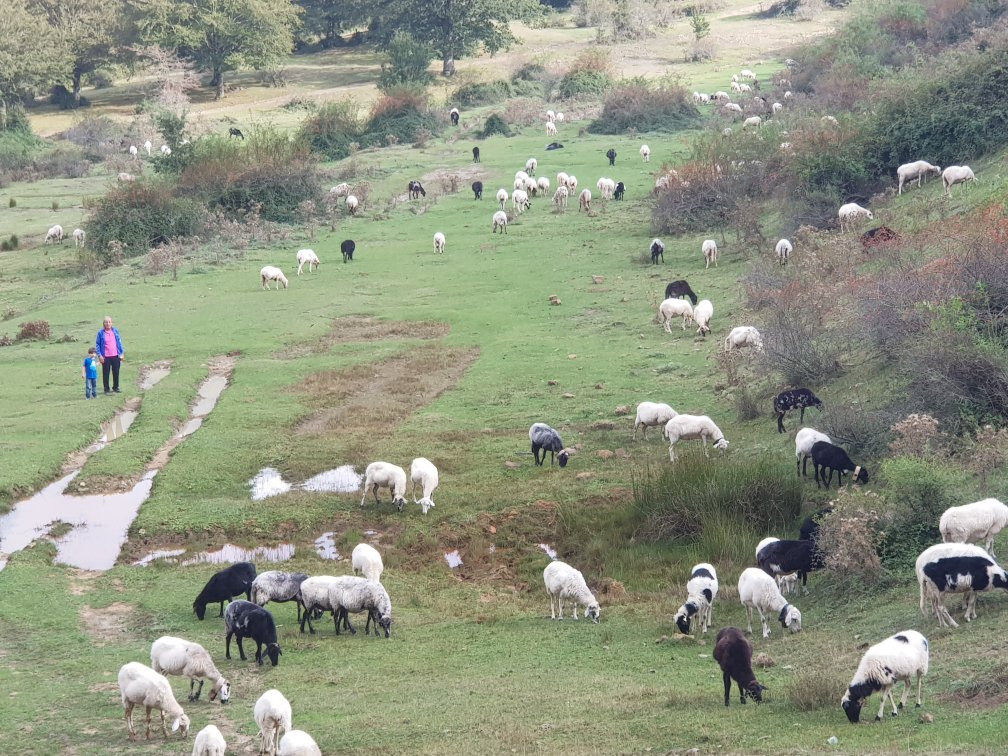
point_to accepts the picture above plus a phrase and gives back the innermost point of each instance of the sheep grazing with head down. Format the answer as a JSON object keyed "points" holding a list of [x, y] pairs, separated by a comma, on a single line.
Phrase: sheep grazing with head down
{"points": [[652, 415], [828, 456], [702, 314], [520, 201], [309, 258], [54, 234], [786, 582], [415, 189], [424, 472], [124, 177], [439, 242], [795, 399], [783, 249], [757, 590], [224, 586], [340, 190], [645, 153], [917, 170], [209, 742], [693, 428], [477, 187], [78, 237], [272, 713], [278, 586], [657, 250], [701, 589], [270, 273], [673, 308], [543, 185], [139, 685], [956, 174], [805, 439], [454, 115], [385, 475], [502, 197], [298, 743], [898, 658], [352, 203], [710, 252], [564, 582], [784, 557], [584, 200], [551, 129], [956, 568], [315, 595], [500, 221], [175, 656], [545, 439], [348, 247], [367, 561], [680, 288], [530, 166], [850, 213], [243, 619], [743, 336], [350, 594], [978, 522], [733, 653], [560, 197]]}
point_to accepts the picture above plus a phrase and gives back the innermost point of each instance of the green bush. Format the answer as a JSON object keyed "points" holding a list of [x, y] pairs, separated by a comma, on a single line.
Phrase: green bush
{"points": [[18, 143], [642, 106], [333, 129], [584, 84], [399, 117], [407, 64], [483, 93], [8, 245], [495, 124]]}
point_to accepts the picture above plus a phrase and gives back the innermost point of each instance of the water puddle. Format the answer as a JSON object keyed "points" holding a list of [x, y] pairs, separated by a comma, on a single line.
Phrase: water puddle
{"points": [[164, 555], [154, 374], [226, 554], [453, 559], [325, 546], [118, 425], [269, 482], [209, 392], [550, 551]]}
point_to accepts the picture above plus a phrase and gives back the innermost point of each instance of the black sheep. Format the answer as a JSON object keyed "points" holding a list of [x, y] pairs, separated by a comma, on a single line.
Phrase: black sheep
{"points": [[680, 289], [657, 250], [784, 557], [454, 114], [225, 585], [794, 399], [734, 653], [236, 132], [415, 189], [554, 146], [620, 190], [476, 154], [347, 248], [827, 456], [809, 530], [612, 156], [477, 187], [244, 619], [546, 439]]}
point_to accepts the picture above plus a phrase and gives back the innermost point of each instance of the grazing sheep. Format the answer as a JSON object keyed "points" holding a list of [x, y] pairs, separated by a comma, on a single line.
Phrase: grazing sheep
{"points": [[500, 221], [673, 308], [794, 399], [787, 582], [530, 166], [560, 197], [652, 415], [782, 557], [278, 586], [299, 742], [572, 184], [175, 656], [139, 685], [147, 146], [559, 117], [898, 657], [520, 201], [680, 289], [619, 191], [827, 456], [733, 653], [752, 121], [710, 252], [134, 153], [645, 152], [347, 247], [243, 619], [340, 190], [54, 234], [476, 154], [543, 185], [519, 180], [307, 257], [454, 115], [439, 242], [367, 561], [584, 200], [611, 154], [702, 314], [956, 174], [776, 108], [850, 213], [827, 119], [788, 95], [657, 250], [783, 249], [701, 590], [919, 170], [693, 428], [424, 472], [315, 597], [545, 438], [563, 581], [477, 187], [385, 475], [876, 236], [550, 116], [743, 336], [747, 74], [350, 594], [502, 197], [732, 107], [224, 586], [209, 742], [78, 237], [956, 568], [273, 715], [721, 96], [236, 132], [270, 273], [415, 189], [804, 441], [165, 150], [530, 186], [352, 204], [980, 521], [757, 590], [551, 129]]}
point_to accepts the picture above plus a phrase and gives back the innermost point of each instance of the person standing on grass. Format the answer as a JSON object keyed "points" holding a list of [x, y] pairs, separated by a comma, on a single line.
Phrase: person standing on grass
{"points": [[90, 373], [110, 353]]}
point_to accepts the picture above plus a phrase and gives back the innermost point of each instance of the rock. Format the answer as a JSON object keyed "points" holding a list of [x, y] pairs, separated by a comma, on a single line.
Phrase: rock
{"points": [[604, 454], [554, 299], [579, 446], [832, 740], [663, 639], [551, 382], [614, 589], [598, 279], [764, 660], [491, 530], [599, 386], [511, 465], [568, 395], [584, 475], [622, 409], [622, 453], [603, 425]]}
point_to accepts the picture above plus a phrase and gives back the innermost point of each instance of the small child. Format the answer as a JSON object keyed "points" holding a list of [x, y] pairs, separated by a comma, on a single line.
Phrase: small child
{"points": [[90, 374]]}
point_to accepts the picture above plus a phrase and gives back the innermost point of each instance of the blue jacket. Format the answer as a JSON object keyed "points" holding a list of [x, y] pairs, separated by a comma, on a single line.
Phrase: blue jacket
{"points": [[100, 342]]}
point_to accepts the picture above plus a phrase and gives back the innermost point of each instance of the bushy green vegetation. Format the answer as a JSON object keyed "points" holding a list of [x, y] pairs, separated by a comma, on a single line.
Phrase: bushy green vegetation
{"points": [[495, 124], [483, 93], [643, 106], [140, 216]]}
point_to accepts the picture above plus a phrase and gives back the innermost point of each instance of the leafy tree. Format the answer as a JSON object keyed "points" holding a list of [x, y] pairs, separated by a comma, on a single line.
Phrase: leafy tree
{"points": [[700, 24], [32, 56], [220, 35], [408, 61], [325, 20]]}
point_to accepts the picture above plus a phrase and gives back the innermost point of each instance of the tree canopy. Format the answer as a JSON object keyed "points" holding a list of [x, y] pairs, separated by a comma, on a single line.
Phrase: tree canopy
{"points": [[32, 56]]}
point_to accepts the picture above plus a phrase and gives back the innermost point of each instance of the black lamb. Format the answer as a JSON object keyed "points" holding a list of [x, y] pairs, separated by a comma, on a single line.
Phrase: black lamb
{"points": [[827, 456], [657, 250], [476, 154], [794, 399], [224, 586], [347, 248], [620, 190], [454, 114], [546, 439], [477, 187], [734, 653], [415, 189], [236, 132], [612, 156], [680, 289], [244, 619], [784, 557]]}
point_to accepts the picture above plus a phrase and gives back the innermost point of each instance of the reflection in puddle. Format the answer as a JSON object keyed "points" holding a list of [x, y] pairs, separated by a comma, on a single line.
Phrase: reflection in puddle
{"points": [[268, 483], [550, 552], [325, 546], [209, 392], [341, 480], [453, 558], [118, 425], [154, 375], [227, 554], [166, 555]]}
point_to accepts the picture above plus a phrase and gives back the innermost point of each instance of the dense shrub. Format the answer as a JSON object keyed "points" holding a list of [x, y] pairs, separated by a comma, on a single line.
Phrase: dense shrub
{"points": [[98, 136], [401, 115], [589, 76], [333, 129], [139, 216], [848, 534], [495, 124], [799, 347], [645, 107], [18, 143], [483, 93], [34, 330], [407, 63]]}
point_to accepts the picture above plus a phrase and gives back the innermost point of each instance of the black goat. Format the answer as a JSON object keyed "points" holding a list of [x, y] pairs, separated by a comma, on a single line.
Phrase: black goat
{"points": [[415, 189], [347, 248], [827, 456], [612, 156], [477, 187], [224, 586], [476, 154], [618, 193], [876, 236], [680, 289], [244, 619], [657, 250], [784, 557], [794, 399], [548, 440], [554, 146], [734, 653], [236, 132]]}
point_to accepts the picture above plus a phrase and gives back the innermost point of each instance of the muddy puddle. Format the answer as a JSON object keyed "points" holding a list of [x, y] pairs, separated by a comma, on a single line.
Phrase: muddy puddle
{"points": [[269, 482], [227, 554], [325, 546], [154, 374]]}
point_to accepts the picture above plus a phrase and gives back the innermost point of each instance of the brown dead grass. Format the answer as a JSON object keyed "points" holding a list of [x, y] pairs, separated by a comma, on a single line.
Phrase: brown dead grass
{"points": [[350, 328], [109, 624]]}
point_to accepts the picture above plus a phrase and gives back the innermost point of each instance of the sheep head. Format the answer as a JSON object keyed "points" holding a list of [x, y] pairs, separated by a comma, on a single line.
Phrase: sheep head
{"points": [[593, 612], [181, 722], [755, 691], [684, 616], [273, 652], [564, 455], [721, 443], [223, 688]]}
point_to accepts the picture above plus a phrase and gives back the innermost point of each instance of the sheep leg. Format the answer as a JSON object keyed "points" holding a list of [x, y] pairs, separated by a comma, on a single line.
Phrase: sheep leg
{"points": [[259, 657], [147, 733], [346, 622], [306, 617], [671, 452], [766, 627], [906, 692], [919, 681], [192, 684], [164, 730], [805, 459], [241, 650], [128, 714], [815, 466], [749, 626], [227, 644], [727, 687], [881, 708], [560, 605]]}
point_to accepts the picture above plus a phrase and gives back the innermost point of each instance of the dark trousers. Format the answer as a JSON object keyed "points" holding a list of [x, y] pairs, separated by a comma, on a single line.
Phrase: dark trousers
{"points": [[111, 363]]}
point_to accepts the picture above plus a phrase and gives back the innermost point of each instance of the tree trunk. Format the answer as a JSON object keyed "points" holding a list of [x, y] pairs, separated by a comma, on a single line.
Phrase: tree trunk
{"points": [[448, 65], [218, 82], [76, 87], [3, 114]]}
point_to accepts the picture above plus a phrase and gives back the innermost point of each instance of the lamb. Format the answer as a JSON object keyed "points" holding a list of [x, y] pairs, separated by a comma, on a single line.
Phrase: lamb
{"points": [[849, 214], [795, 399], [520, 201], [551, 129], [270, 273], [563, 581], [543, 184], [209, 742], [702, 314], [299, 742], [979, 521], [919, 169], [78, 237], [175, 656], [619, 191], [348, 247], [652, 415], [123, 176], [502, 197], [787, 582], [424, 472], [956, 174], [584, 200], [273, 715], [307, 257], [693, 428], [827, 456], [782, 557], [672, 308], [385, 475], [352, 203], [500, 221], [560, 197], [757, 590], [680, 288], [530, 166], [783, 249], [367, 561], [645, 153], [224, 586], [340, 190], [439, 242], [743, 336], [734, 655], [956, 568], [315, 596], [54, 234], [752, 121], [139, 685], [710, 252], [415, 189], [165, 150], [243, 619], [657, 250], [350, 594], [804, 441], [278, 586], [897, 658], [477, 187], [453, 114], [701, 589]]}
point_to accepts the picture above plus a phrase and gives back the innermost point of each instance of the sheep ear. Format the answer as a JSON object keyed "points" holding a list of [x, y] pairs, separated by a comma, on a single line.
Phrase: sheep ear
{"points": [[175, 725]]}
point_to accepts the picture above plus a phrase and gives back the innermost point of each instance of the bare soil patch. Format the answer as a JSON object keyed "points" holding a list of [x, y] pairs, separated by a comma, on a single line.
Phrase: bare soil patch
{"points": [[109, 624], [351, 328]]}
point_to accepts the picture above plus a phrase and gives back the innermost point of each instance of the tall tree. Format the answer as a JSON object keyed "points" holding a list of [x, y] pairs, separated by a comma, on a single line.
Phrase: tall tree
{"points": [[220, 35], [32, 56], [324, 20]]}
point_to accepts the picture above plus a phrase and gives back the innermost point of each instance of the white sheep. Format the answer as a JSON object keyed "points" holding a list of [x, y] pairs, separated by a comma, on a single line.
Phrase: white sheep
{"points": [[584, 200], [502, 197], [563, 581], [165, 150], [919, 169], [752, 121], [783, 249], [424, 472], [736, 86], [543, 184], [520, 201], [747, 74], [176, 656], [273, 715], [519, 180], [500, 221], [340, 190], [530, 185], [701, 590], [385, 475], [693, 428], [367, 561], [956, 568], [827, 118], [759, 591], [54, 234], [134, 152], [743, 336], [850, 213], [726, 131], [550, 116], [732, 107], [279, 586], [551, 128], [721, 96], [673, 307], [560, 197], [788, 95], [976, 522], [710, 252], [572, 184], [298, 743], [702, 314], [315, 597], [559, 117], [307, 257], [899, 657], [270, 273], [530, 166], [805, 439], [352, 203], [645, 152], [139, 685], [652, 415], [78, 237], [439, 242], [349, 594], [125, 177], [956, 174], [776, 108], [147, 146], [209, 742]]}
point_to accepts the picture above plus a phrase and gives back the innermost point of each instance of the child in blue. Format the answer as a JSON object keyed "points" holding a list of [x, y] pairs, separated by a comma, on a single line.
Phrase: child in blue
{"points": [[90, 374]]}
